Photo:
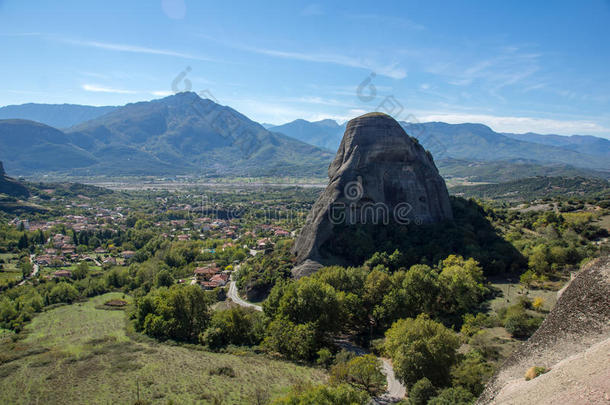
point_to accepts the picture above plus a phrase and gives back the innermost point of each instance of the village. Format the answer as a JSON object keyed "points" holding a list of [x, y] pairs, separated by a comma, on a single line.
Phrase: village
{"points": [[93, 235]]}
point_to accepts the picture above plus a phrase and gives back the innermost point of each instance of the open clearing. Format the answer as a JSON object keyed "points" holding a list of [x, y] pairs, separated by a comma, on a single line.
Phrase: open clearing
{"points": [[83, 354]]}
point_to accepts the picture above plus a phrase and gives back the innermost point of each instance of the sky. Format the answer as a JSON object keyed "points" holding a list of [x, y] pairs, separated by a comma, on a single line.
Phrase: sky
{"points": [[516, 66]]}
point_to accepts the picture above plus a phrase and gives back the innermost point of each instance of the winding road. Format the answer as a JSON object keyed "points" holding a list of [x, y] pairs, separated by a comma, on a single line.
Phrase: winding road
{"points": [[234, 295]]}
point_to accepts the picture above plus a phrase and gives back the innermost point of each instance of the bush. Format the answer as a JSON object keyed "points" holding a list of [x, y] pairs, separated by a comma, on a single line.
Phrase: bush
{"points": [[324, 394], [226, 371], [521, 325]]}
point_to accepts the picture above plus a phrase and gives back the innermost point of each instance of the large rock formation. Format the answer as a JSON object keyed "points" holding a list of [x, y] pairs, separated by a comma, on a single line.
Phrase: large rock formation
{"points": [[379, 175], [573, 342]]}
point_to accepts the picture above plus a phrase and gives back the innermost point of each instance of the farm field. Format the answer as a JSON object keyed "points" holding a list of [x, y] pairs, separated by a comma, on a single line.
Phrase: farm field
{"points": [[82, 353]]}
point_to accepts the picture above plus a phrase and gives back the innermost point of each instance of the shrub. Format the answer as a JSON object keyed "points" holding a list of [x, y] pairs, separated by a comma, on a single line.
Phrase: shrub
{"points": [[226, 371], [538, 303], [325, 357], [521, 325], [534, 372], [324, 394]]}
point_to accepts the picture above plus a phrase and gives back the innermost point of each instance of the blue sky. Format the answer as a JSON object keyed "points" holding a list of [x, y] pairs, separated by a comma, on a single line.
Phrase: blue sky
{"points": [[517, 66]]}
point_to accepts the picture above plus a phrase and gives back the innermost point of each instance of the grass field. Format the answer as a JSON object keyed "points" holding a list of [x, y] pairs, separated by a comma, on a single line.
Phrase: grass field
{"points": [[82, 354]]}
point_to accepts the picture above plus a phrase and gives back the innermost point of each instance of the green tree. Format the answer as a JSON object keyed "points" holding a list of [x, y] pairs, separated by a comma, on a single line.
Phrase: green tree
{"points": [[421, 348], [295, 341], [236, 326], [80, 271], [180, 313], [63, 292], [461, 284], [421, 392], [164, 279], [472, 373], [453, 396], [363, 372]]}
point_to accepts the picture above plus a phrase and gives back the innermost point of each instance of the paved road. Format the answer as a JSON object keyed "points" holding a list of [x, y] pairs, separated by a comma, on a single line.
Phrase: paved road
{"points": [[35, 269], [234, 295]]}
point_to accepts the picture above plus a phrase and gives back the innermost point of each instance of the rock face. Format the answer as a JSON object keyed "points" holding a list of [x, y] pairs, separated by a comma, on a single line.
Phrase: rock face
{"points": [[379, 175], [573, 342], [2, 172]]}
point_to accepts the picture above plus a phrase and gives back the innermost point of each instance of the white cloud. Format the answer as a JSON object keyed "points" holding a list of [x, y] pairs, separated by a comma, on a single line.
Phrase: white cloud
{"points": [[520, 124], [101, 89]]}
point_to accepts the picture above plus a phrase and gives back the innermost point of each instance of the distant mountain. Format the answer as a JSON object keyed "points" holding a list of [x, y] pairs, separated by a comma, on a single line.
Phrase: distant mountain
{"points": [[325, 134], [28, 146], [473, 142], [54, 115], [179, 134], [478, 142], [579, 143]]}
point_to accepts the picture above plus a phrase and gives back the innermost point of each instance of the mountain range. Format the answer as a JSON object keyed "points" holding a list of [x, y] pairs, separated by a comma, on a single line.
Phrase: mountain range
{"points": [[185, 134], [179, 134], [474, 143]]}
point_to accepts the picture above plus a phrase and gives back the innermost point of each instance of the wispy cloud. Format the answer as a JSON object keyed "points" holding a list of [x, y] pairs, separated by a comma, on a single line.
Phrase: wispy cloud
{"points": [[135, 49], [392, 70], [101, 89]]}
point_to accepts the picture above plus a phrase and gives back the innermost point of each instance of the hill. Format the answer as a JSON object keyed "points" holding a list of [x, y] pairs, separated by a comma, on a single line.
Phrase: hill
{"points": [[180, 134], [54, 115], [536, 188]]}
